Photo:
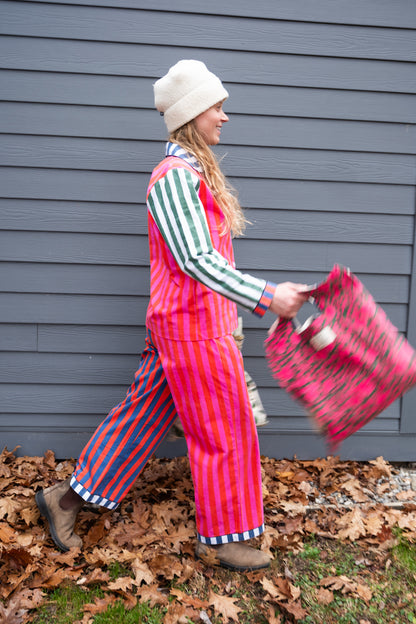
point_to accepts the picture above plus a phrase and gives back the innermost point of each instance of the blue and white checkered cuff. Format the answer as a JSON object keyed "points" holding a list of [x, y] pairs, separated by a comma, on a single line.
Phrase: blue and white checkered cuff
{"points": [[231, 537], [91, 498]]}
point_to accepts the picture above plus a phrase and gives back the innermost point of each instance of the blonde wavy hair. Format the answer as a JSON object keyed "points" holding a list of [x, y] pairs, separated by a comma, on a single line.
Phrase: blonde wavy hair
{"points": [[188, 137]]}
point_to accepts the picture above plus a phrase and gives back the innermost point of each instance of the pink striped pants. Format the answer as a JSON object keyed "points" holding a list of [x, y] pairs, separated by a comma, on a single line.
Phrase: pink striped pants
{"points": [[203, 382]]}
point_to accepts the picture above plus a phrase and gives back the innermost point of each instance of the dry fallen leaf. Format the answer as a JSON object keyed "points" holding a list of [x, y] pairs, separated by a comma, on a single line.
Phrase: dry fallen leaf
{"points": [[97, 576], [405, 495], [373, 522], [295, 609], [17, 557], [99, 605], [96, 532], [270, 588], [287, 591], [364, 592], [324, 596], [142, 573], [129, 600], [381, 467], [354, 489], [179, 614], [407, 521], [167, 566], [152, 594], [180, 535], [7, 534], [68, 558], [225, 606], [123, 583], [210, 558], [12, 613], [272, 618], [49, 459], [340, 582], [293, 509], [9, 507], [29, 598], [30, 513], [190, 600], [352, 525]]}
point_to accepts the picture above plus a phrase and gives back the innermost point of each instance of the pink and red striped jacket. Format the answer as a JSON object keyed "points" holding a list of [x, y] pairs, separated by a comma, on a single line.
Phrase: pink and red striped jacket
{"points": [[193, 292]]}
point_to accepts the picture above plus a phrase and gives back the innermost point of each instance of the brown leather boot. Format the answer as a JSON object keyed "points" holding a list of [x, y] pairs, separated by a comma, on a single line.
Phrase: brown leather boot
{"points": [[235, 555], [61, 521]]}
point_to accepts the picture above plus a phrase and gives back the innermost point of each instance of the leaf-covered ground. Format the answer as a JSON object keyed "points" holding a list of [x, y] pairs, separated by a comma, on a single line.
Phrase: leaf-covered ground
{"points": [[150, 541]]}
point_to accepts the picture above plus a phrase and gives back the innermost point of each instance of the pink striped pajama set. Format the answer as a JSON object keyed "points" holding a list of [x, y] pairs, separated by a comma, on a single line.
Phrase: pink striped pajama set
{"points": [[190, 366]]}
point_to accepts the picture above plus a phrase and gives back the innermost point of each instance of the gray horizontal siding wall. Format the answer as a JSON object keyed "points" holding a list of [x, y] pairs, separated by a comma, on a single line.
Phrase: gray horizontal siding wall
{"points": [[321, 146]]}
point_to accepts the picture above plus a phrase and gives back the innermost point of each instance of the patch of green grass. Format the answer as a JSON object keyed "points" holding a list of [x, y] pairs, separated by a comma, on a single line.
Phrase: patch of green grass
{"points": [[117, 614], [404, 555], [65, 606], [115, 569], [346, 562], [310, 552]]}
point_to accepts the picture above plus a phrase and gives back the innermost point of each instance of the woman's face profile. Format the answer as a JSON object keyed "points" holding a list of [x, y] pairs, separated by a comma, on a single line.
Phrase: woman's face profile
{"points": [[209, 123]]}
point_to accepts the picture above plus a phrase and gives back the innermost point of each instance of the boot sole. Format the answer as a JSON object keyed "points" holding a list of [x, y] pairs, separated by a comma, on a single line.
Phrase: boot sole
{"points": [[43, 508], [229, 566]]}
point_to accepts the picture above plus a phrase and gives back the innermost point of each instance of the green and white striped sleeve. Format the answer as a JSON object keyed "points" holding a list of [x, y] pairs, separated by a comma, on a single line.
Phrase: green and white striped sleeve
{"points": [[180, 217]]}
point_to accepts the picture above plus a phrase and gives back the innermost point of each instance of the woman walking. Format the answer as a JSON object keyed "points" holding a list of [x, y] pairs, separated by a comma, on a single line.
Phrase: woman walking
{"points": [[191, 366]]}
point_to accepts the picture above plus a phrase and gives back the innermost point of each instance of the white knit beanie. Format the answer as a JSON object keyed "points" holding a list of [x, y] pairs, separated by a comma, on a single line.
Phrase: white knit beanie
{"points": [[186, 91]]}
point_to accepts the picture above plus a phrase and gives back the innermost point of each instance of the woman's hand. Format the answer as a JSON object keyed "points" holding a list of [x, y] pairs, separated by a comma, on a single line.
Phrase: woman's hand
{"points": [[288, 298]]}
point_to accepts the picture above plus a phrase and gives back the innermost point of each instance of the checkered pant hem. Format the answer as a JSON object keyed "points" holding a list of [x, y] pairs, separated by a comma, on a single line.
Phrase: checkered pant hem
{"points": [[91, 498], [231, 537]]}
